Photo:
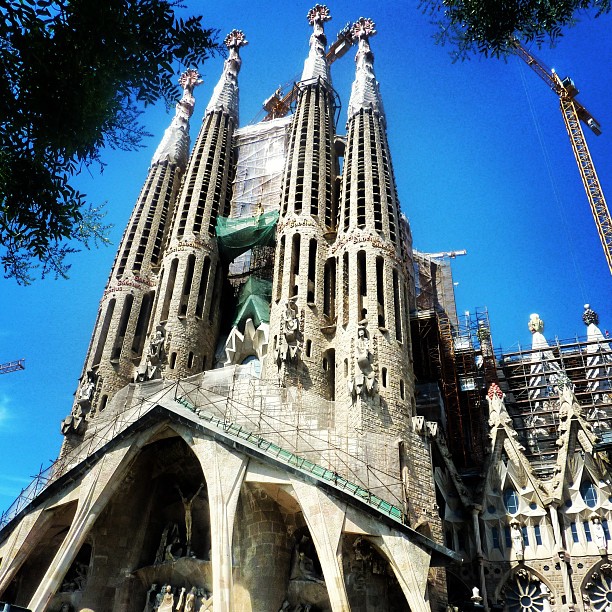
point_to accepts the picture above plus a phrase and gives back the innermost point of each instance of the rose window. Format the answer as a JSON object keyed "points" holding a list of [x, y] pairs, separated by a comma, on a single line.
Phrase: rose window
{"points": [[599, 589], [525, 594]]}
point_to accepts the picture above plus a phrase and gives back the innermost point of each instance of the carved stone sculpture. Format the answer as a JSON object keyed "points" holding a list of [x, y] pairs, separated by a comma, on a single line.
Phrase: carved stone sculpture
{"points": [[364, 381], [86, 390], [190, 600], [207, 602], [599, 535], [156, 354], [167, 603], [290, 344], [187, 504], [517, 540]]}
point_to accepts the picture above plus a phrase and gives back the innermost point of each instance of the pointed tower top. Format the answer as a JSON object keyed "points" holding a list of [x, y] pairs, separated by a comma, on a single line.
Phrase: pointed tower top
{"points": [[174, 146], [536, 327], [590, 317], [365, 93], [591, 320], [225, 94], [316, 65]]}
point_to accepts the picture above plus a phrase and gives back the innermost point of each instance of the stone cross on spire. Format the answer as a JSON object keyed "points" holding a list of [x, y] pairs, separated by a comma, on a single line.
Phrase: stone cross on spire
{"points": [[225, 94], [316, 65], [174, 146], [365, 93]]}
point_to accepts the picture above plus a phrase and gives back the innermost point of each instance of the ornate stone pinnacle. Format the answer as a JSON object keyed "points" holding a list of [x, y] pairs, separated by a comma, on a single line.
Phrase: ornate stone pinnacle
{"points": [[535, 324], [235, 39], [495, 391], [190, 79], [590, 316], [319, 13], [363, 28]]}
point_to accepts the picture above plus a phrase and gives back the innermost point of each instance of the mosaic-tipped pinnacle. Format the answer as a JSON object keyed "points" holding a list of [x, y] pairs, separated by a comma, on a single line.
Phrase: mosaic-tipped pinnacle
{"points": [[319, 13]]}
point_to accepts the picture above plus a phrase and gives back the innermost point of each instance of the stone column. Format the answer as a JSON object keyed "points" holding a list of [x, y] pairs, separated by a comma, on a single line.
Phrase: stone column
{"points": [[325, 519], [483, 585], [224, 472], [410, 564], [567, 585]]}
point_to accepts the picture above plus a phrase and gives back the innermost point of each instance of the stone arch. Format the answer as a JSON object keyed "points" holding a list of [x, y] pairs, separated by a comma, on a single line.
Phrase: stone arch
{"points": [[143, 535], [368, 575], [49, 536]]}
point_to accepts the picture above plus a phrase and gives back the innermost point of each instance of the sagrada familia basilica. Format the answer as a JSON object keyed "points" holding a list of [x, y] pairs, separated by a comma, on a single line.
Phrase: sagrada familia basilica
{"points": [[280, 409]]}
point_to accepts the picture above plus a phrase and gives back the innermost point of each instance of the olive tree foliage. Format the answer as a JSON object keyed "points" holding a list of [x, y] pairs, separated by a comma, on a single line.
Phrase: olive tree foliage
{"points": [[488, 27], [74, 76]]}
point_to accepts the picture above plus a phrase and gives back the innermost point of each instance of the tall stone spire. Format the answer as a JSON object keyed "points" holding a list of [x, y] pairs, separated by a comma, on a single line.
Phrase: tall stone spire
{"points": [[119, 336], [174, 146], [225, 94], [365, 93], [186, 315], [599, 361], [373, 336], [316, 65], [304, 273]]}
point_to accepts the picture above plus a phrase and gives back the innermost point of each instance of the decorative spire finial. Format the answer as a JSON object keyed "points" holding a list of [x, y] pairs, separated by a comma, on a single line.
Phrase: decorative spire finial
{"points": [[535, 324], [225, 94], [190, 79], [365, 94], [315, 66], [495, 391], [589, 316], [235, 39], [174, 146], [364, 27], [318, 14]]}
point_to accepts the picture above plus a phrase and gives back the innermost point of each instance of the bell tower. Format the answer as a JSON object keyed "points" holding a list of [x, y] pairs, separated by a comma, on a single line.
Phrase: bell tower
{"points": [[302, 314], [118, 340], [186, 312], [372, 338]]}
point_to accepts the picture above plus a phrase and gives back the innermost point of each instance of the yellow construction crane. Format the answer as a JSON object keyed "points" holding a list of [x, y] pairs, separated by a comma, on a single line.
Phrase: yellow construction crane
{"points": [[573, 113], [279, 103]]}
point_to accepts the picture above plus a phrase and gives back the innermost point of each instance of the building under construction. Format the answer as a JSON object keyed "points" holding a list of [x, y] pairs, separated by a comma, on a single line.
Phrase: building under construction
{"points": [[281, 409]]}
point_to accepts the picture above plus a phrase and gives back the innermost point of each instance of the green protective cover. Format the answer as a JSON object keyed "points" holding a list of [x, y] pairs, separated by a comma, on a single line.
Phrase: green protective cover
{"points": [[254, 302], [237, 236]]}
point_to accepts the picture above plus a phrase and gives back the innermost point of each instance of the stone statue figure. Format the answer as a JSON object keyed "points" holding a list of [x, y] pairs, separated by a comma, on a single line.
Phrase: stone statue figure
{"points": [[156, 353], [291, 335], [169, 534], [181, 600], [167, 603], [516, 535], [190, 600], [598, 533], [86, 390], [187, 503], [365, 379]]}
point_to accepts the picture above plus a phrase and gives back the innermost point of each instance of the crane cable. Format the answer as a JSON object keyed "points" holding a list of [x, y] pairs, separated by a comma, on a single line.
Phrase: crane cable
{"points": [[560, 204]]}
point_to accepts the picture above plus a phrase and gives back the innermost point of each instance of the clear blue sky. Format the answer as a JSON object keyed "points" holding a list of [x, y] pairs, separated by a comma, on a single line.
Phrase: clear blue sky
{"points": [[482, 163]]}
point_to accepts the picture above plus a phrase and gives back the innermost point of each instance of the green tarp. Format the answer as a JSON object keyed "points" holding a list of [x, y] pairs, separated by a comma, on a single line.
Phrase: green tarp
{"points": [[237, 236], [254, 302]]}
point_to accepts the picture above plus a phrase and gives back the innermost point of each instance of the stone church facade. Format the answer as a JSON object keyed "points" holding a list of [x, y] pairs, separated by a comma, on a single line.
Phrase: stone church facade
{"points": [[279, 409]]}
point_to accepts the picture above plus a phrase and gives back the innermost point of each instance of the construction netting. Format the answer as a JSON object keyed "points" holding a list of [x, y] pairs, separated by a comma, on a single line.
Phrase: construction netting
{"points": [[254, 302], [261, 152], [237, 236]]}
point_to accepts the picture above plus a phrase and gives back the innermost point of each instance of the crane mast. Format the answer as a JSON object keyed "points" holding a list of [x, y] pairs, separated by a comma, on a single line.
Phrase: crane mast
{"points": [[573, 113]]}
